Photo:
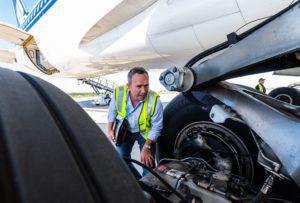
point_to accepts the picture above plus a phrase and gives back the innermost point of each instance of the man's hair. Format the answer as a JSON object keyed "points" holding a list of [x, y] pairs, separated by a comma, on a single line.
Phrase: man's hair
{"points": [[136, 70]]}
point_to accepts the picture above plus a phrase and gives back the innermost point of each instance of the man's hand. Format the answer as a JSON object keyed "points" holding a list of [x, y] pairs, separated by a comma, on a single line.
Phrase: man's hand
{"points": [[110, 131], [147, 158], [111, 135]]}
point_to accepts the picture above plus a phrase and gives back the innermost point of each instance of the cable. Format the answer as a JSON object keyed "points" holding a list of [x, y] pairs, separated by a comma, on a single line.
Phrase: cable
{"points": [[176, 184], [202, 161], [252, 22], [157, 176], [169, 159]]}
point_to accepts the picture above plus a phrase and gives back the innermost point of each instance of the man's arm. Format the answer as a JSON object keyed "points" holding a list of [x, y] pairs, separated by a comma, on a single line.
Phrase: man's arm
{"points": [[146, 156], [154, 133]]}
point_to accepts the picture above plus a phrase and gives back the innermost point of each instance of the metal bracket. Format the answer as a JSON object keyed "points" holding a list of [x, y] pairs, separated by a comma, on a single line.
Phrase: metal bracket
{"points": [[177, 79], [219, 114]]}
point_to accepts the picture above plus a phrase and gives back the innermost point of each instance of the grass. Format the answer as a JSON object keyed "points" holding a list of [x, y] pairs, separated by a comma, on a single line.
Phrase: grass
{"points": [[78, 95]]}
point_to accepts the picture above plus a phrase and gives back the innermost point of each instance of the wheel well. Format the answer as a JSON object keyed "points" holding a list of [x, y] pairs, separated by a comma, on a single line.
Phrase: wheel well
{"points": [[192, 107], [197, 106]]}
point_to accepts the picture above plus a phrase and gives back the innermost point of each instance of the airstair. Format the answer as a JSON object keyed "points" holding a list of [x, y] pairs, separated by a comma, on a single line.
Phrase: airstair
{"points": [[103, 88], [99, 83]]}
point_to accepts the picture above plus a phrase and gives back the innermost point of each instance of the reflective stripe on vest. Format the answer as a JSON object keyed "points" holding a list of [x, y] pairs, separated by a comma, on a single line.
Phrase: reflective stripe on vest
{"points": [[121, 101], [147, 111]]}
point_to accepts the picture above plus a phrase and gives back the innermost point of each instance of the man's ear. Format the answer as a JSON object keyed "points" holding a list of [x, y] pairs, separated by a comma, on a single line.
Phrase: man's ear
{"points": [[128, 86]]}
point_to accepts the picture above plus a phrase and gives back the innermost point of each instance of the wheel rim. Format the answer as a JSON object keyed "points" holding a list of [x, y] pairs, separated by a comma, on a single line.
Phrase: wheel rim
{"points": [[285, 98], [215, 144]]}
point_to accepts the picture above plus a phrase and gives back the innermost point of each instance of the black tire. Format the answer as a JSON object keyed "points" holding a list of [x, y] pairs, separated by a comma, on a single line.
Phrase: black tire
{"points": [[51, 151], [175, 119], [286, 94]]}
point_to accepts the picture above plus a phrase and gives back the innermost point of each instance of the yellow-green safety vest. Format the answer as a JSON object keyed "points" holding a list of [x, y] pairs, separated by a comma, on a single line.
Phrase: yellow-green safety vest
{"points": [[260, 88], [146, 112]]}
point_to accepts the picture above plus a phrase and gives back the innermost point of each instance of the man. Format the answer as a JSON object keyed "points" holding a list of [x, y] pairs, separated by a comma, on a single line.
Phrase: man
{"points": [[144, 112], [260, 87]]}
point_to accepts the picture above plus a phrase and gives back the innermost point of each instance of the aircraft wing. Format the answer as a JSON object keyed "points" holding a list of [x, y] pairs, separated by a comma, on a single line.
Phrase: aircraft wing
{"points": [[13, 34], [288, 72]]}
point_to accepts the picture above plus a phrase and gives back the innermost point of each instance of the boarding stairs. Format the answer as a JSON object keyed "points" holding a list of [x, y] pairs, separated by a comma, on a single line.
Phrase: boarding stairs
{"points": [[100, 83]]}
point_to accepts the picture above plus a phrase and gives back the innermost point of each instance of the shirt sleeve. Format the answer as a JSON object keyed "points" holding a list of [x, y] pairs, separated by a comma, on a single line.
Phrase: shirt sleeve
{"points": [[156, 121], [112, 111]]}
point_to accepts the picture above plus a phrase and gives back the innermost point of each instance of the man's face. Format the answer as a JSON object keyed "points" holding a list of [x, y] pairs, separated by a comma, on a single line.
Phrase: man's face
{"points": [[139, 87], [262, 81]]}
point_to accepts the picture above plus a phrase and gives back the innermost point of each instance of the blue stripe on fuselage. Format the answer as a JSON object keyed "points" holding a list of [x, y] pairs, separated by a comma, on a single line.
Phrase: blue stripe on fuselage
{"points": [[36, 13]]}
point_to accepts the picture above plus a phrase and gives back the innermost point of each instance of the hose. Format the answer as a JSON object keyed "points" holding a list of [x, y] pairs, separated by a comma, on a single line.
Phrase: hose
{"points": [[158, 177]]}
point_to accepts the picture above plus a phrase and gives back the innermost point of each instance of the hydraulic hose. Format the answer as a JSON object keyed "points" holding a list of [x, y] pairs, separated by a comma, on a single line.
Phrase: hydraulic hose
{"points": [[158, 177]]}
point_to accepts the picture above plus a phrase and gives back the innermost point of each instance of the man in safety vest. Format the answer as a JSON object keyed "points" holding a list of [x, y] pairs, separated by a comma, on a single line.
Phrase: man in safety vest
{"points": [[260, 87], [144, 112]]}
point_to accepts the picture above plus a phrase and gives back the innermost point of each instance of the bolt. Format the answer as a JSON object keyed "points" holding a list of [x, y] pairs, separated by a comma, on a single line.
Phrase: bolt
{"points": [[174, 70], [161, 78], [212, 115]]}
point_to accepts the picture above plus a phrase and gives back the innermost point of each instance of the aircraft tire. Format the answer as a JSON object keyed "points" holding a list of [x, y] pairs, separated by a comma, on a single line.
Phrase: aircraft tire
{"points": [[51, 150], [180, 112], [286, 94]]}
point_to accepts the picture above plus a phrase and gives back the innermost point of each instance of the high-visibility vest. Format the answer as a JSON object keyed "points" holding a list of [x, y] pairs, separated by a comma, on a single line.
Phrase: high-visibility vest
{"points": [[146, 112], [261, 88]]}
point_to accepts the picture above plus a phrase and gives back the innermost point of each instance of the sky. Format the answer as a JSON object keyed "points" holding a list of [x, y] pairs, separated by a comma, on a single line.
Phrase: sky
{"points": [[7, 15]]}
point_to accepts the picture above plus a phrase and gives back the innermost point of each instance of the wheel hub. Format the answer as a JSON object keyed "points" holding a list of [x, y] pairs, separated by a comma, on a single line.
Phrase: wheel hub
{"points": [[216, 144]]}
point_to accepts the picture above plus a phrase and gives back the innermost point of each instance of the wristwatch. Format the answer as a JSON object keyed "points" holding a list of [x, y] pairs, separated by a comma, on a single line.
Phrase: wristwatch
{"points": [[147, 146]]}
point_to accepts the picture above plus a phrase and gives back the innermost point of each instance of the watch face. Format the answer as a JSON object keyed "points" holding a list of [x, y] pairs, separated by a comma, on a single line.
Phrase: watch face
{"points": [[147, 146]]}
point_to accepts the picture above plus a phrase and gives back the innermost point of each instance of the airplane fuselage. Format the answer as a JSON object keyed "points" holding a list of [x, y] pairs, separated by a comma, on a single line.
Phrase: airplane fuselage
{"points": [[96, 37]]}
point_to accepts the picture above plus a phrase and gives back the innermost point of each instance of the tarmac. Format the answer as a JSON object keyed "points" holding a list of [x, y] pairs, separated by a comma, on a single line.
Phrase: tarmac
{"points": [[99, 115]]}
